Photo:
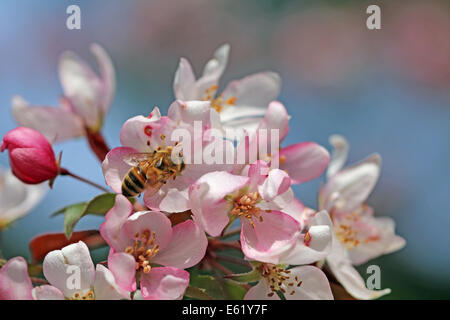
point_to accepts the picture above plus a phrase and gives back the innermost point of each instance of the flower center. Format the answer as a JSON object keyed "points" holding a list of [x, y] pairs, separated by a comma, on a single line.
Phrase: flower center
{"points": [[279, 279], [217, 103], [348, 232], [143, 250], [86, 295], [245, 207]]}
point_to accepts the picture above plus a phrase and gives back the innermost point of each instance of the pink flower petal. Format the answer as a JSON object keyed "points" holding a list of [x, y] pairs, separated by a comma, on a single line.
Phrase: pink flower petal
{"points": [[56, 124], [115, 168], [186, 248], [111, 230], [276, 118], [147, 134], [123, 267], [108, 77], [258, 173], [15, 284], [47, 292], [153, 221], [304, 161], [164, 283], [296, 210], [82, 86], [269, 238], [277, 183], [208, 205]]}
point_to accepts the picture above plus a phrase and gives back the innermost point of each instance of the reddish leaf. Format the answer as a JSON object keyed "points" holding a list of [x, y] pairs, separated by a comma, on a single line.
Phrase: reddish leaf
{"points": [[43, 244]]}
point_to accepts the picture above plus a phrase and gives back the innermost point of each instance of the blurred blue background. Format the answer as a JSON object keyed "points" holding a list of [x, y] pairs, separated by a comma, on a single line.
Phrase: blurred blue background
{"points": [[386, 90]]}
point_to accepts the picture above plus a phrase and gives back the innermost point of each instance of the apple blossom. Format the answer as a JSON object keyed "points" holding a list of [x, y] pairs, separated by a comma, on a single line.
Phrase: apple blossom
{"points": [[15, 284], [155, 132], [258, 199], [16, 197], [303, 161], [60, 266], [86, 99], [358, 235], [241, 104], [297, 283], [286, 276], [194, 190], [145, 244], [31, 156], [94, 283]]}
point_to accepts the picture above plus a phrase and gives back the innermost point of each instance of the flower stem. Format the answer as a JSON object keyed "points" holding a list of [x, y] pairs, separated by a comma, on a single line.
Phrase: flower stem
{"points": [[98, 144], [214, 244], [65, 172], [231, 233], [233, 260], [220, 267], [224, 270], [38, 281]]}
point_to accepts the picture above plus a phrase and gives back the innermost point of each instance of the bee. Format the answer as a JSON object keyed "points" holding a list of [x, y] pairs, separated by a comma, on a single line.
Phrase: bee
{"points": [[150, 171]]}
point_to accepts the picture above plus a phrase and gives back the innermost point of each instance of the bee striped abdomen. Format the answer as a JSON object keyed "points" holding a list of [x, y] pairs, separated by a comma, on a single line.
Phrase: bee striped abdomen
{"points": [[133, 183]]}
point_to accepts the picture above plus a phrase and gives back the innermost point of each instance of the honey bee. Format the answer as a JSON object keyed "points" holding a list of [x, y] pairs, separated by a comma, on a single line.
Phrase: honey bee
{"points": [[150, 171]]}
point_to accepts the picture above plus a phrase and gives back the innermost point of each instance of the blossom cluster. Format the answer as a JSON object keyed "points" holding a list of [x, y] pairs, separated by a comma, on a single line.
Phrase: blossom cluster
{"points": [[171, 217]]}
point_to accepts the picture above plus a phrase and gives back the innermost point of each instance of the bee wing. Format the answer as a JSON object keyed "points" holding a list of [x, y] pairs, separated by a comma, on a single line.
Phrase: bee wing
{"points": [[133, 159]]}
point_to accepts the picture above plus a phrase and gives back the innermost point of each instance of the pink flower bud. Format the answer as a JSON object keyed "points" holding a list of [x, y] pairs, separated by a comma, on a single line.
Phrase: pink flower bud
{"points": [[31, 156]]}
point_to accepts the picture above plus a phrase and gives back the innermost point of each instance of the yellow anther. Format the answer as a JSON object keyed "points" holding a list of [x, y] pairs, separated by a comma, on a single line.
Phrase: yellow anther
{"points": [[143, 250], [279, 279]]}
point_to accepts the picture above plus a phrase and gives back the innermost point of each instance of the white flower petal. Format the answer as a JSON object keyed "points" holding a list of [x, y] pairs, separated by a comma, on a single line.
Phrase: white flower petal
{"points": [[70, 269], [339, 154], [350, 187], [16, 197], [105, 286]]}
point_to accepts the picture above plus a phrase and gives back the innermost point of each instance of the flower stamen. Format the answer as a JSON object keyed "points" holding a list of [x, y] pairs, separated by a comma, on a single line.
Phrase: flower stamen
{"points": [[143, 249], [279, 279], [89, 295], [217, 103], [245, 207]]}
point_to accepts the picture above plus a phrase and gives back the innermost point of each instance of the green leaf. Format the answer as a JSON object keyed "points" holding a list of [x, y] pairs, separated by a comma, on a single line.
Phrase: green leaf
{"points": [[197, 293], [72, 215], [210, 285], [251, 276], [63, 210], [233, 290], [218, 289], [100, 205]]}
